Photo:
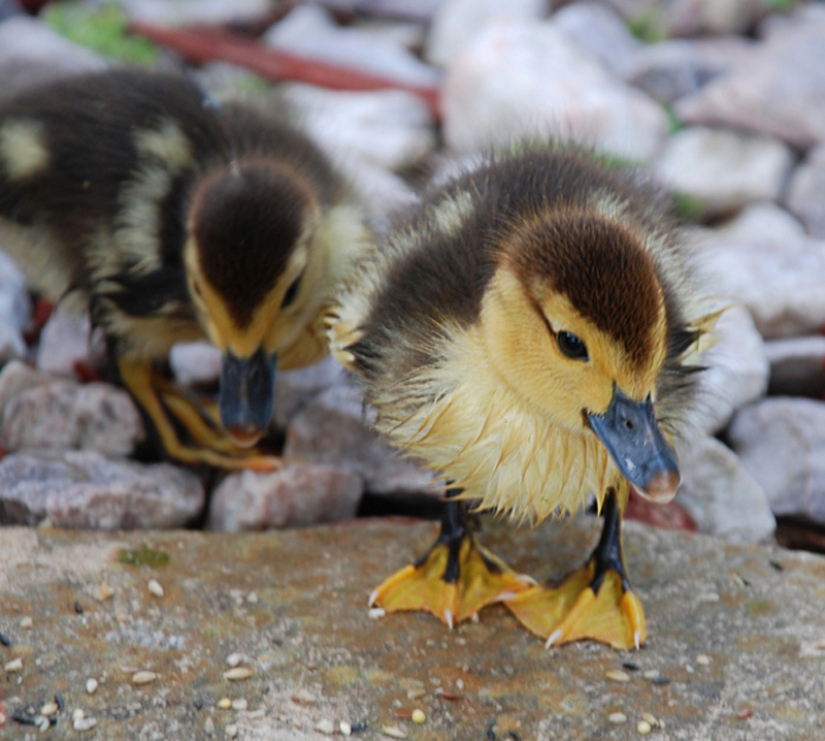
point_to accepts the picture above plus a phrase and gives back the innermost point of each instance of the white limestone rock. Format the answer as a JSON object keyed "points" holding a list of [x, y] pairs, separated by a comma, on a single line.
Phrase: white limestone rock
{"points": [[805, 198], [15, 308]]}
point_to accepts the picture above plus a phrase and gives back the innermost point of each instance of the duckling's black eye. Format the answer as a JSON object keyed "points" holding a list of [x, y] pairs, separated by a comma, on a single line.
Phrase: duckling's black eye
{"points": [[571, 346], [291, 292]]}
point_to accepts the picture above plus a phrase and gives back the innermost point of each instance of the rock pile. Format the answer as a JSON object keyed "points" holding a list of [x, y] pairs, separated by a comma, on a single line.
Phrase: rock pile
{"points": [[723, 102]]}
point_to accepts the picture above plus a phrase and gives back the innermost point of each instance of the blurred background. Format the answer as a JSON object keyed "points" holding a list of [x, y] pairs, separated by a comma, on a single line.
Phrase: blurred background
{"points": [[722, 101]]}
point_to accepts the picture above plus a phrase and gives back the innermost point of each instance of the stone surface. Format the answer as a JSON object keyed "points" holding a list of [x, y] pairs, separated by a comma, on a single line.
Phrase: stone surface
{"points": [[764, 260], [719, 494], [83, 489], [186, 12], [195, 363], [16, 377], [333, 429], [797, 366], [806, 193], [64, 341], [777, 93], [723, 170], [388, 128], [291, 606], [15, 307], [32, 54], [736, 374], [521, 79], [601, 31], [781, 443], [295, 388], [296, 496], [457, 22], [310, 31], [65, 415]]}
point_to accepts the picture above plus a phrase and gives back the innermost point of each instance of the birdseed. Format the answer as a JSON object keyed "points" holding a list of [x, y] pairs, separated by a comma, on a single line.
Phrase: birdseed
{"points": [[224, 703], [238, 673], [644, 727], [650, 718], [77, 714], [618, 676], [155, 588], [651, 674], [15, 665], [393, 732], [345, 728], [376, 613], [104, 592], [26, 622], [231, 730], [703, 660], [144, 677], [418, 716], [617, 718], [303, 697], [209, 726], [240, 704], [415, 693], [50, 708], [325, 726], [84, 724], [91, 685], [78, 608], [234, 660], [5, 640]]}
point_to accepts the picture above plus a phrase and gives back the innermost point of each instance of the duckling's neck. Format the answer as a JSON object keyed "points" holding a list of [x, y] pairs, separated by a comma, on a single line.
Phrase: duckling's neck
{"points": [[501, 449]]}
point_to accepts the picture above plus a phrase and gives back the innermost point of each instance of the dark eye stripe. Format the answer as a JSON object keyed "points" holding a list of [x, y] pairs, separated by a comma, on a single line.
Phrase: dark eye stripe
{"points": [[291, 292]]}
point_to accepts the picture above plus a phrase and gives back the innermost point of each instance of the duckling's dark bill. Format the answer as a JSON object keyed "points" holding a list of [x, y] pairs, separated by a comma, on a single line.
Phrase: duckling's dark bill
{"points": [[246, 395], [631, 434]]}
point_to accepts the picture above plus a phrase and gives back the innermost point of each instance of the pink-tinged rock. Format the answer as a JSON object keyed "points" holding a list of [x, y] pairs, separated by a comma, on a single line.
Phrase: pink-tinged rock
{"points": [[806, 193], [296, 496], [310, 31], [736, 372], [457, 22], [602, 32], [15, 378], [724, 170], [720, 495], [778, 92], [519, 79], [64, 341], [781, 443], [15, 308], [31, 54], [296, 388], [65, 415], [334, 429], [797, 366], [83, 489], [764, 260]]}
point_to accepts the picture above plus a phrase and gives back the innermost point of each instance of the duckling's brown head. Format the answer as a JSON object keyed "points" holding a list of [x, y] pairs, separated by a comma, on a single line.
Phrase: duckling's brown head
{"points": [[575, 320], [251, 270]]}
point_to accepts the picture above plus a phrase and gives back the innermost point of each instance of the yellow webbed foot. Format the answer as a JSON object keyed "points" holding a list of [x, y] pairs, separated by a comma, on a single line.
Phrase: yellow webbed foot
{"points": [[572, 610], [595, 601], [159, 398], [453, 580]]}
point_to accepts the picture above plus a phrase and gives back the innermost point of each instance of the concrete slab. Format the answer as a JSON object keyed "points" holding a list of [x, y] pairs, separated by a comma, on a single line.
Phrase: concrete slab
{"points": [[736, 634]]}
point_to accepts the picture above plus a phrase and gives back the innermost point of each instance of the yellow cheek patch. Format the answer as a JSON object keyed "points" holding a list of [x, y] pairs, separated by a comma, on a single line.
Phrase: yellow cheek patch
{"points": [[23, 149]]}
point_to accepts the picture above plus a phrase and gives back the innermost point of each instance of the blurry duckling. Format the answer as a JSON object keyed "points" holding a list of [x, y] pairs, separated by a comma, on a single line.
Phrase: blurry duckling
{"points": [[530, 334], [176, 218]]}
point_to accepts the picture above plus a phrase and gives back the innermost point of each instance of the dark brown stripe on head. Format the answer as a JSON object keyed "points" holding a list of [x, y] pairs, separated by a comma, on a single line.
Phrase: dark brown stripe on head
{"points": [[246, 221], [601, 268]]}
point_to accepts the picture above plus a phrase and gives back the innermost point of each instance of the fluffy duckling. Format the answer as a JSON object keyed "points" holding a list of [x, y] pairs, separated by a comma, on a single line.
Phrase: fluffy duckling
{"points": [[528, 334], [176, 218]]}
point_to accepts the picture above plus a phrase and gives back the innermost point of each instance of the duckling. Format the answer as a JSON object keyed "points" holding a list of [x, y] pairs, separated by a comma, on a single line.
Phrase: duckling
{"points": [[529, 333], [170, 217]]}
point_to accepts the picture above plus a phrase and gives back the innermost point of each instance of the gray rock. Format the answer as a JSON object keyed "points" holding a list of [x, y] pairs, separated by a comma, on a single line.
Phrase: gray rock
{"points": [[195, 363], [737, 371], [457, 22], [778, 93], [409, 34], [333, 429], [781, 443], [83, 489], [797, 366], [720, 495], [724, 170], [764, 260], [310, 31], [15, 308], [806, 193], [15, 378], [66, 415], [602, 32], [32, 54], [392, 129], [64, 341], [520, 79], [296, 496], [294, 389], [186, 12]]}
